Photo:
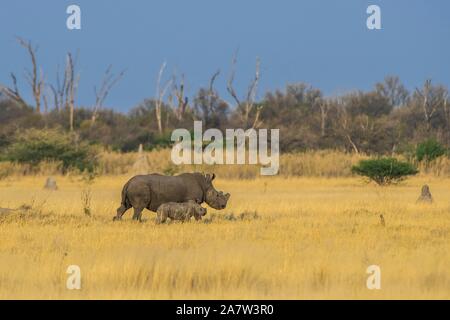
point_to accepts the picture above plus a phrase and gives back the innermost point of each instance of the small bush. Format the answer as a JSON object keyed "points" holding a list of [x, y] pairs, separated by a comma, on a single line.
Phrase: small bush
{"points": [[384, 171], [35, 146], [86, 197], [429, 150]]}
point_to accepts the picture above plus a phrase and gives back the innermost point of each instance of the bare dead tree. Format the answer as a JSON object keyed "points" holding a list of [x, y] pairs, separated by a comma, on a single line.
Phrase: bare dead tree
{"points": [[45, 99], [324, 107], [230, 87], [447, 117], [55, 97], [35, 80], [60, 89], [71, 88], [160, 93], [251, 97], [248, 105], [212, 81], [108, 82], [393, 90], [65, 90], [431, 99], [212, 94], [13, 93], [345, 122], [182, 100], [209, 106]]}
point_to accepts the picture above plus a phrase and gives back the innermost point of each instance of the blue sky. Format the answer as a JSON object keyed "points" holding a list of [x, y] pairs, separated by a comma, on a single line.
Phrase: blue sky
{"points": [[322, 42]]}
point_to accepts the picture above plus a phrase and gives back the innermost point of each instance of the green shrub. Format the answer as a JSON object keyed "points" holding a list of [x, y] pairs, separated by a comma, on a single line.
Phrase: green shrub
{"points": [[34, 146], [162, 141], [429, 150], [384, 171]]}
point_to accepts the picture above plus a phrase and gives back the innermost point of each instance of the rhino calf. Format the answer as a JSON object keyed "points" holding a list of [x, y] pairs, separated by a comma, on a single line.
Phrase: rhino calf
{"points": [[180, 211]]}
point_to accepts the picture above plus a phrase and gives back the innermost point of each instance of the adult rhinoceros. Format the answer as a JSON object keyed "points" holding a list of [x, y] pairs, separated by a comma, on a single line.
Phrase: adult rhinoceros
{"points": [[151, 191]]}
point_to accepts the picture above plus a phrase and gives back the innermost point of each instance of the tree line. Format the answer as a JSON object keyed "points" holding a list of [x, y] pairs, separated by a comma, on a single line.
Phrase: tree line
{"points": [[385, 120]]}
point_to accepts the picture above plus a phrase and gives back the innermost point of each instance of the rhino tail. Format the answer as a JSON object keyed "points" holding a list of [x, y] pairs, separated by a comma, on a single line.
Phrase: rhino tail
{"points": [[125, 201]]}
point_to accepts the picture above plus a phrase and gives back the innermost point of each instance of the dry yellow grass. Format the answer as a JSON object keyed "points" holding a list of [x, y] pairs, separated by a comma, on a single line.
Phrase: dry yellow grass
{"points": [[311, 238]]}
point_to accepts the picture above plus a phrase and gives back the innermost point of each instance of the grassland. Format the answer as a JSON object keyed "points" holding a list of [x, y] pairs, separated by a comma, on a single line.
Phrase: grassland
{"points": [[280, 238]]}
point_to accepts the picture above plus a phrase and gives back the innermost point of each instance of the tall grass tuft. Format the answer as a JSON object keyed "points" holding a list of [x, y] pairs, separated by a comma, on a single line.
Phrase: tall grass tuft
{"points": [[86, 197]]}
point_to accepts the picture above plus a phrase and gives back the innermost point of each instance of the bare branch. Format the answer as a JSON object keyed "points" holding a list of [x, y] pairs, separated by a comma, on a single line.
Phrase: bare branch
{"points": [[249, 105], [160, 93], [230, 87], [67, 90], [212, 92], [55, 97], [213, 79], [257, 123], [251, 95], [13, 93], [35, 81], [108, 82], [182, 100], [432, 99], [324, 107]]}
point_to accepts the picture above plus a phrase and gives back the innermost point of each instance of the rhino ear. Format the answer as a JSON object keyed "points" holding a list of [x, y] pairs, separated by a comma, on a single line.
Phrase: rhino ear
{"points": [[228, 196], [209, 178]]}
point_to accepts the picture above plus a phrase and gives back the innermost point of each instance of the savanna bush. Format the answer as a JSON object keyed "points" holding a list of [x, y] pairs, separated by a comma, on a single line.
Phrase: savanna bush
{"points": [[384, 171], [35, 146], [429, 150]]}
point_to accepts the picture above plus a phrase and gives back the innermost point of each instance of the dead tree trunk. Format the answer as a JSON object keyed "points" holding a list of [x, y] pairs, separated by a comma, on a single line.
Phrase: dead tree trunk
{"points": [[345, 124], [431, 100], [324, 107], [71, 86], [182, 101], [447, 119], [108, 82], [248, 106], [160, 93], [35, 81]]}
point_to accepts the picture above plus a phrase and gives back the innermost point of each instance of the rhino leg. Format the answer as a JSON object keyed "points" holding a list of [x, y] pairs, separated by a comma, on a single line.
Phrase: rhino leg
{"points": [[161, 218], [138, 214], [120, 212], [135, 194]]}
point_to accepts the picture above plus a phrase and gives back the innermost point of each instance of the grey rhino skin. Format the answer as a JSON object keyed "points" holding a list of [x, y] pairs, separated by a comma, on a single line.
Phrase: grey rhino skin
{"points": [[180, 211], [151, 191]]}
